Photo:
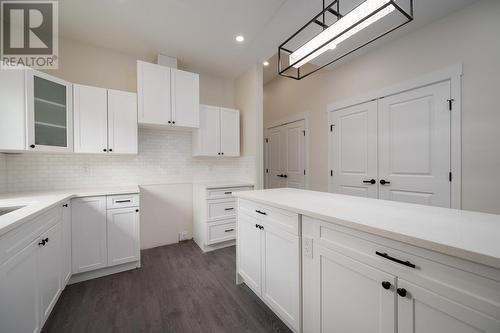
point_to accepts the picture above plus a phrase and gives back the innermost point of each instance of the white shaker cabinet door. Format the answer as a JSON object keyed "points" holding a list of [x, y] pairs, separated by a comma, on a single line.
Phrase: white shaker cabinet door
{"points": [[206, 139], [91, 119], [281, 274], [229, 132], [19, 306], [49, 269], [89, 248], [66, 243], [123, 235], [154, 95], [424, 311], [122, 120], [250, 252], [185, 99], [352, 296]]}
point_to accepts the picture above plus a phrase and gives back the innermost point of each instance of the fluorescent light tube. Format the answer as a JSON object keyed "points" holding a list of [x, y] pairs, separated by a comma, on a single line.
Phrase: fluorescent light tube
{"points": [[356, 15]]}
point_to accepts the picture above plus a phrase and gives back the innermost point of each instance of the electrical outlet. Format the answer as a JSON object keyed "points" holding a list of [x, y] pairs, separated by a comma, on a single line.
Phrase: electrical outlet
{"points": [[183, 236], [307, 247]]}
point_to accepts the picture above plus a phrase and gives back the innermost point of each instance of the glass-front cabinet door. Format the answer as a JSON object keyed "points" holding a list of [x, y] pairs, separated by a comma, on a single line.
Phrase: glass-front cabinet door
{"points": [[49, 113]]}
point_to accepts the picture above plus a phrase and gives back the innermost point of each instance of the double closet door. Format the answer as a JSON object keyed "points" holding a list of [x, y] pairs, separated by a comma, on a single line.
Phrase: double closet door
{"points": [[285, 155], [395, 148]]}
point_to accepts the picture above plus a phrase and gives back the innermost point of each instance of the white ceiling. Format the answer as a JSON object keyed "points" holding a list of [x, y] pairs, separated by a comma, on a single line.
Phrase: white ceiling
{"points": [[200, 33]]}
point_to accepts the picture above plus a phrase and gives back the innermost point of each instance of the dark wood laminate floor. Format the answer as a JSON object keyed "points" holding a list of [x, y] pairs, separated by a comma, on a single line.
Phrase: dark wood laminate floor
{"points": [[177, 289]]}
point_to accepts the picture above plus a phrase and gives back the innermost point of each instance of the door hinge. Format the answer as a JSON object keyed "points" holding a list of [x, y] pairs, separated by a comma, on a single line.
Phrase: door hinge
{"points": [[267, 140], [331, 173], [304, 172], [450, 103], [331, 127], [450, 176], [304, 131]]}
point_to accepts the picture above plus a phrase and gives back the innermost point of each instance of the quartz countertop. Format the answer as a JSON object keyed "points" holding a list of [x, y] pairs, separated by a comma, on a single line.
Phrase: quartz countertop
{"points": [[37, 202], [464, 234], [213, 185]]}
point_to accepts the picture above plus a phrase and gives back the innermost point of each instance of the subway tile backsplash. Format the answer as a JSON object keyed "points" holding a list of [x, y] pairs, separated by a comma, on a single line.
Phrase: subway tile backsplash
{"points": [[164, 158]]}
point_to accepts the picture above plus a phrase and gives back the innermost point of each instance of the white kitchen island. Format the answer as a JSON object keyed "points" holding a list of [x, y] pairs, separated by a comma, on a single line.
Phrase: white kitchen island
{"points": [[334, 263]]}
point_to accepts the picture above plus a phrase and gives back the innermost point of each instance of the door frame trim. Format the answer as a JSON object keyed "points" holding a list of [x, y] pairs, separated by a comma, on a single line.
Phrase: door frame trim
{"points": [[287, 120], [454, 75]]}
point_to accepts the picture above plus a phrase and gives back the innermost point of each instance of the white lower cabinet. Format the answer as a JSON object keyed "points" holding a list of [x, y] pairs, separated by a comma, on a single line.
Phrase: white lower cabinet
{"points": [[123, 235], [268, 258], [89, 248], [361, 283], [66, 243], [105, 231]]}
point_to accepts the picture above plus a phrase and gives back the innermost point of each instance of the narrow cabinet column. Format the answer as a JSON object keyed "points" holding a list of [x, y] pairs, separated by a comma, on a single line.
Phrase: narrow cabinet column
{"points": [[230, 132], [91, 119]]}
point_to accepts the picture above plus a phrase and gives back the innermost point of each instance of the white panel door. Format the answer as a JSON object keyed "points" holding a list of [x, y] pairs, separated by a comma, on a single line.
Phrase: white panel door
{"points": [[354, 150], [19, 305], [351, 296], [276, 157], [154, 93], [49, 270], [66, 244], [250, 252], [89, 249], [294, 168], [122, 122], [414, 146], [230, 132], [90, 107], [185, 99], [281, 274], [207, 137], [424, 311], [123, 235]]}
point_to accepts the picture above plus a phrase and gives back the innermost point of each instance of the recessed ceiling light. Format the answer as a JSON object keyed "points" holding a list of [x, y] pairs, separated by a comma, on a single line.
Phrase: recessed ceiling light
{"points": [[266, 63], [240, 38]]}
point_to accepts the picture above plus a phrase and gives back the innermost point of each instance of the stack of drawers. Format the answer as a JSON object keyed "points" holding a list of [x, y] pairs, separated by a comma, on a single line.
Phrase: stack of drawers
{"points": [[215, 215]]}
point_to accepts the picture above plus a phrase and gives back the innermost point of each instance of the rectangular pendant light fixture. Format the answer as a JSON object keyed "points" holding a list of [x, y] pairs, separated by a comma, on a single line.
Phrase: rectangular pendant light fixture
{"points": [[359, 18]]}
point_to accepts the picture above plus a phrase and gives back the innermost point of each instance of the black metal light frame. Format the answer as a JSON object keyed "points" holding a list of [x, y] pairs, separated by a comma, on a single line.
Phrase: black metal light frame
{"points": [[319, 19]]}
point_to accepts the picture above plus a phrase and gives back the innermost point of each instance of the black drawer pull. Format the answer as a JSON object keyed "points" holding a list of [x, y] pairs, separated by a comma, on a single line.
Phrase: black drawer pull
{"points": [[386, 256], [228, 230], [123, 201], [261, 212], [228, 208], [228, 192]]}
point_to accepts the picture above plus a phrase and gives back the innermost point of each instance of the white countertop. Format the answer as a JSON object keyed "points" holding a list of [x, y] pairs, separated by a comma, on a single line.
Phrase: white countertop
{"points": [[213, 185], [38, 202], [464, 234]]}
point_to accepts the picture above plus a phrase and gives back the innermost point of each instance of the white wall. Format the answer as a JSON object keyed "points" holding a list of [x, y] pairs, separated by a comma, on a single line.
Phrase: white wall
{"points": [[470, 37]]}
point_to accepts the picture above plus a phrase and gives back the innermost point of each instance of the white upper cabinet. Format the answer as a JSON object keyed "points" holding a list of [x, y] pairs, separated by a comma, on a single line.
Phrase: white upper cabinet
{"points": [[219, 132], [185, 99], [153, 90], [230, 132], [122, 122], [36, 112], [105, 121], [167, 96], [91, 123]]}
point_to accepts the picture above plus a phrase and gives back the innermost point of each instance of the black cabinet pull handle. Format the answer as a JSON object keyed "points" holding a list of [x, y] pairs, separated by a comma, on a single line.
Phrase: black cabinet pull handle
{"points": [[256, 225], [371, 181], [228, 208], [386, 285], [65, 205], [41, 243], [261, 212], [285, 176], [228, 230], [32, 146], [122, 201], [169, 122], [261, 227], [388, 257], [383, 182], [218, 153], [111, 150], [228, 192], [137, 211], [173, 122], [402, 292], [222, 153], [105, 150]]}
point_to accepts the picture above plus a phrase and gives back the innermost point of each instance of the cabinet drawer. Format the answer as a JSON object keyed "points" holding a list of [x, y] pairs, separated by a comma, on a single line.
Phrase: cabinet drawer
{"points": [[279, 218], [122, 201], [221, 209], [220, 193], [221, 231], [15, 240]]}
